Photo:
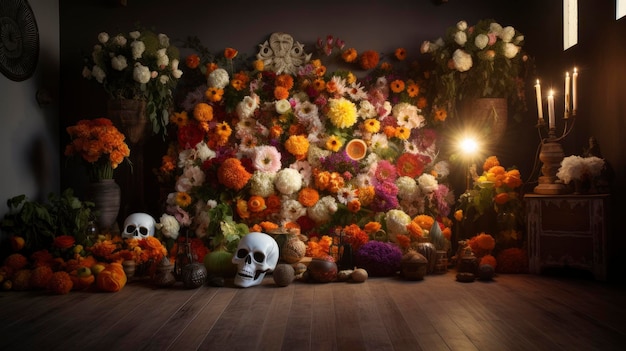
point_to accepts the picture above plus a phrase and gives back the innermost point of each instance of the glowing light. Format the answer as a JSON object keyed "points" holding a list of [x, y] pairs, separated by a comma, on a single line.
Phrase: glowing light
{"points": [[468, 146]]}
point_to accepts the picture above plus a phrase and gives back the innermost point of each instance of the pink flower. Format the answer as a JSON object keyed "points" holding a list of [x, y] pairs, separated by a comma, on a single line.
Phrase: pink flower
{"points": [[266, 159]]}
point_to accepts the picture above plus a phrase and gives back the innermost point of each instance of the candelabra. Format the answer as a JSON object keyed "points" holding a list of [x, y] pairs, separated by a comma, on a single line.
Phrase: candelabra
{"points": [[551, 154]]}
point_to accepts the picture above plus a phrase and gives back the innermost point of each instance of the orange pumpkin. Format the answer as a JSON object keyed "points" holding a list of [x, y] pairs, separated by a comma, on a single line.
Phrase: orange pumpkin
{"points": [[112, 278], [81, 282]]}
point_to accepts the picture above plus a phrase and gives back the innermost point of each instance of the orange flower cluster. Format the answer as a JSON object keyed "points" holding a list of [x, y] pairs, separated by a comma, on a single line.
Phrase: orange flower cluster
{"points": [[232, 174], [98, 141], [319, 247], [369, 59], [482, 244], [330, 181]]}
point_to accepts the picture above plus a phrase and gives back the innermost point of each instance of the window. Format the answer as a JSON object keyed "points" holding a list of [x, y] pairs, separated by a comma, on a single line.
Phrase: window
{"points": [[570, 23]]}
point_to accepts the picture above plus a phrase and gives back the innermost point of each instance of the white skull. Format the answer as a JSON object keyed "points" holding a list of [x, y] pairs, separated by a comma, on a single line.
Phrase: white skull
{"points": [[139, 226], [256, 255]]}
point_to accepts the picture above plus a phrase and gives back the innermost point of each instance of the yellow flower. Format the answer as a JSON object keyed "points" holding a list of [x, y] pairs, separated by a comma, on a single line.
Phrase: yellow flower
{"points": [[258, 65], [458, 215], [183, 199], [297, 145], [333, 143], [180, 118], [223, 129], [342, 112], [371, 125], [402, 133], [214, 94], [203, 112]]}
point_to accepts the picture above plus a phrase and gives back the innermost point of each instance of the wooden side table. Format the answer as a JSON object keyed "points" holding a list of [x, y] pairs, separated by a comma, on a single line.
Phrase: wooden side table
{"points": [[567, 231]]}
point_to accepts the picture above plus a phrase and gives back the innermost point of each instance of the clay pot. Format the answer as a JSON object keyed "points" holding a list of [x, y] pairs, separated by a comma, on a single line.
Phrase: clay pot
{"points": [[322, 271]]}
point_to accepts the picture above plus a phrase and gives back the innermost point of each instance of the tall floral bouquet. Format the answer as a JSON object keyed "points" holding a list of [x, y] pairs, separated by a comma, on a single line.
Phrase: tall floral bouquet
{"points": [[137, 65], [99, 144], [484, 60], [315, 150]]}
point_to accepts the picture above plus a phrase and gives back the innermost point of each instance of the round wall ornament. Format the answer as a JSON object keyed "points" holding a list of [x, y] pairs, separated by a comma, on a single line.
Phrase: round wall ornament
{"points": [[19, 40]]}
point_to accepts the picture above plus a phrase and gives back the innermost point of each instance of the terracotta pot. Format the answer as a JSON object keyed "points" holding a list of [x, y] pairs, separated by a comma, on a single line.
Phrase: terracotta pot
{"points": [[105, 194]]}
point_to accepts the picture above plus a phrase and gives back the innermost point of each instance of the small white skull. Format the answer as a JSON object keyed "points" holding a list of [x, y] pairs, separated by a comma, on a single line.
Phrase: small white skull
{"points": [[256, 255], [139, 226]]}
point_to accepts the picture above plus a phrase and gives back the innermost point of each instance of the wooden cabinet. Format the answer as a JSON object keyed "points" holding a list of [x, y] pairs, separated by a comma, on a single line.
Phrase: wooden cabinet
{"points": [[567, 231]]}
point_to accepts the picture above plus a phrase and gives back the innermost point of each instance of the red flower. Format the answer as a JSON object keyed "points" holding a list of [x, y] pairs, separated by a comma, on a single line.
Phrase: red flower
{"points": [[64, 241], [409, 165], [190, 135]]}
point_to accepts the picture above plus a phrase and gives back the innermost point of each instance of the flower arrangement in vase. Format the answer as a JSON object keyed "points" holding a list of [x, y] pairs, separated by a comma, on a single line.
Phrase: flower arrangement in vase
{"points": [[484, 60], [581, 171], [139, 65]]}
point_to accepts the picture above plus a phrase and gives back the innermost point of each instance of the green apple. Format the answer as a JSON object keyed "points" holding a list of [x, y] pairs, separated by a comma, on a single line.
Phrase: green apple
{"points": [[83, 272], [97, 268]]}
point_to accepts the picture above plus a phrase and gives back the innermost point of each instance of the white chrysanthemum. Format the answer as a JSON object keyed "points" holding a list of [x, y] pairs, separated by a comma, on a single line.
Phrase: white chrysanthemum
{"points": [[218, 78], [134, 34], [141, 73], [462, 60], [510, 50], [291, 210], [247, 106], [366, 109], [266, 158], [507, 34], [288, 181], [407, 115], [323, 209], [103, 37], [119, 40], [203, 152], [356, 92], [461, 25], [192, 176], [262, 184], [427, 183], [164, 40], [410, 147], [407, 188], [162, 59], [460, 38], [346, 194], [98, 73], [282, 106], [396, 222], [315, 153], [307, 111], [169, 226], [378, 141], [339, 83], [137, 48], [363, 180], [481, 41]]}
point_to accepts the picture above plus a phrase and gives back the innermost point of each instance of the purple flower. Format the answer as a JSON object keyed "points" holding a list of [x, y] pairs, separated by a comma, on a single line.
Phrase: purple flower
{"points": [[379, 259]]}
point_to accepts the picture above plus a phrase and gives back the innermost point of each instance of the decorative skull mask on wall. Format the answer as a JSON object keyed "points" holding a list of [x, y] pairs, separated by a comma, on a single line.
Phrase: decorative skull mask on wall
{"points": [[256, 255], [139, 226]]}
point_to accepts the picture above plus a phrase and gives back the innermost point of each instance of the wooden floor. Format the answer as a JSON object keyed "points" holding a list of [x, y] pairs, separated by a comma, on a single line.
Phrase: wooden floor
{"points": [[513, 312]]}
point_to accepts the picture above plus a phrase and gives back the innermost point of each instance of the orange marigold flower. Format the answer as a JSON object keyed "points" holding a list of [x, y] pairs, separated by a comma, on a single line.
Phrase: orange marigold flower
{"points": [[322, 180], [242, 76], [214, 94], [297, 129], [447, 233], [512, 179], [369, 59], [16, 261], [238, 84], [273, 203], [403, 241], [389, 131], [192, 61], [422, 103], [397, 86], [230, 53], [458, 215], [349, 55], [319, 84], [60, 283], [258, 65], [232, 174], [64, 242], [203, 112], [210, 67], [490, 260], [372, 227], [276, 131], [183, 199], [297, 145], [320, 71], [223, 129], [482, 244], [366, 195], [490, 162], [256, 203], [413, 90], [180, 118], [333, 143], [268, 226], [501, 198], [385, 66], [415, 230], [281, 93], [441, 114], [354, 205], [308, 197], [400, 54], [285, 81], [424, 221]]}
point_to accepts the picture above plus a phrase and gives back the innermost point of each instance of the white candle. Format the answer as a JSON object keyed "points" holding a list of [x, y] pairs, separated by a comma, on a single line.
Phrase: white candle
{"points": [[567, 98], [539, 102], [551, 121], [574, 98]]}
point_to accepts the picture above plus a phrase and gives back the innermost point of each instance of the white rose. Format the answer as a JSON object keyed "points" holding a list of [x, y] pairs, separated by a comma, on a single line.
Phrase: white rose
{"points": [[246, 107], [177, 73], [481, 41], [518, 39], [163, 79], [98, 73], [137, 47], [119, 40], [119, 63], [462, 60], [507, 34], [135, 34], [282, 106], [141, 73], [103, 37], [288, 181], [174, 64], [510, 50], [461, 25], [218, 78], [460, 38], [164, 40], [162, 59], [169, 226]]}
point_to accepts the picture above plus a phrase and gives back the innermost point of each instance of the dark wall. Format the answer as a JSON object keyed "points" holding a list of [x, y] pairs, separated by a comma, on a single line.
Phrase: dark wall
{"points": [[384, 25]]}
